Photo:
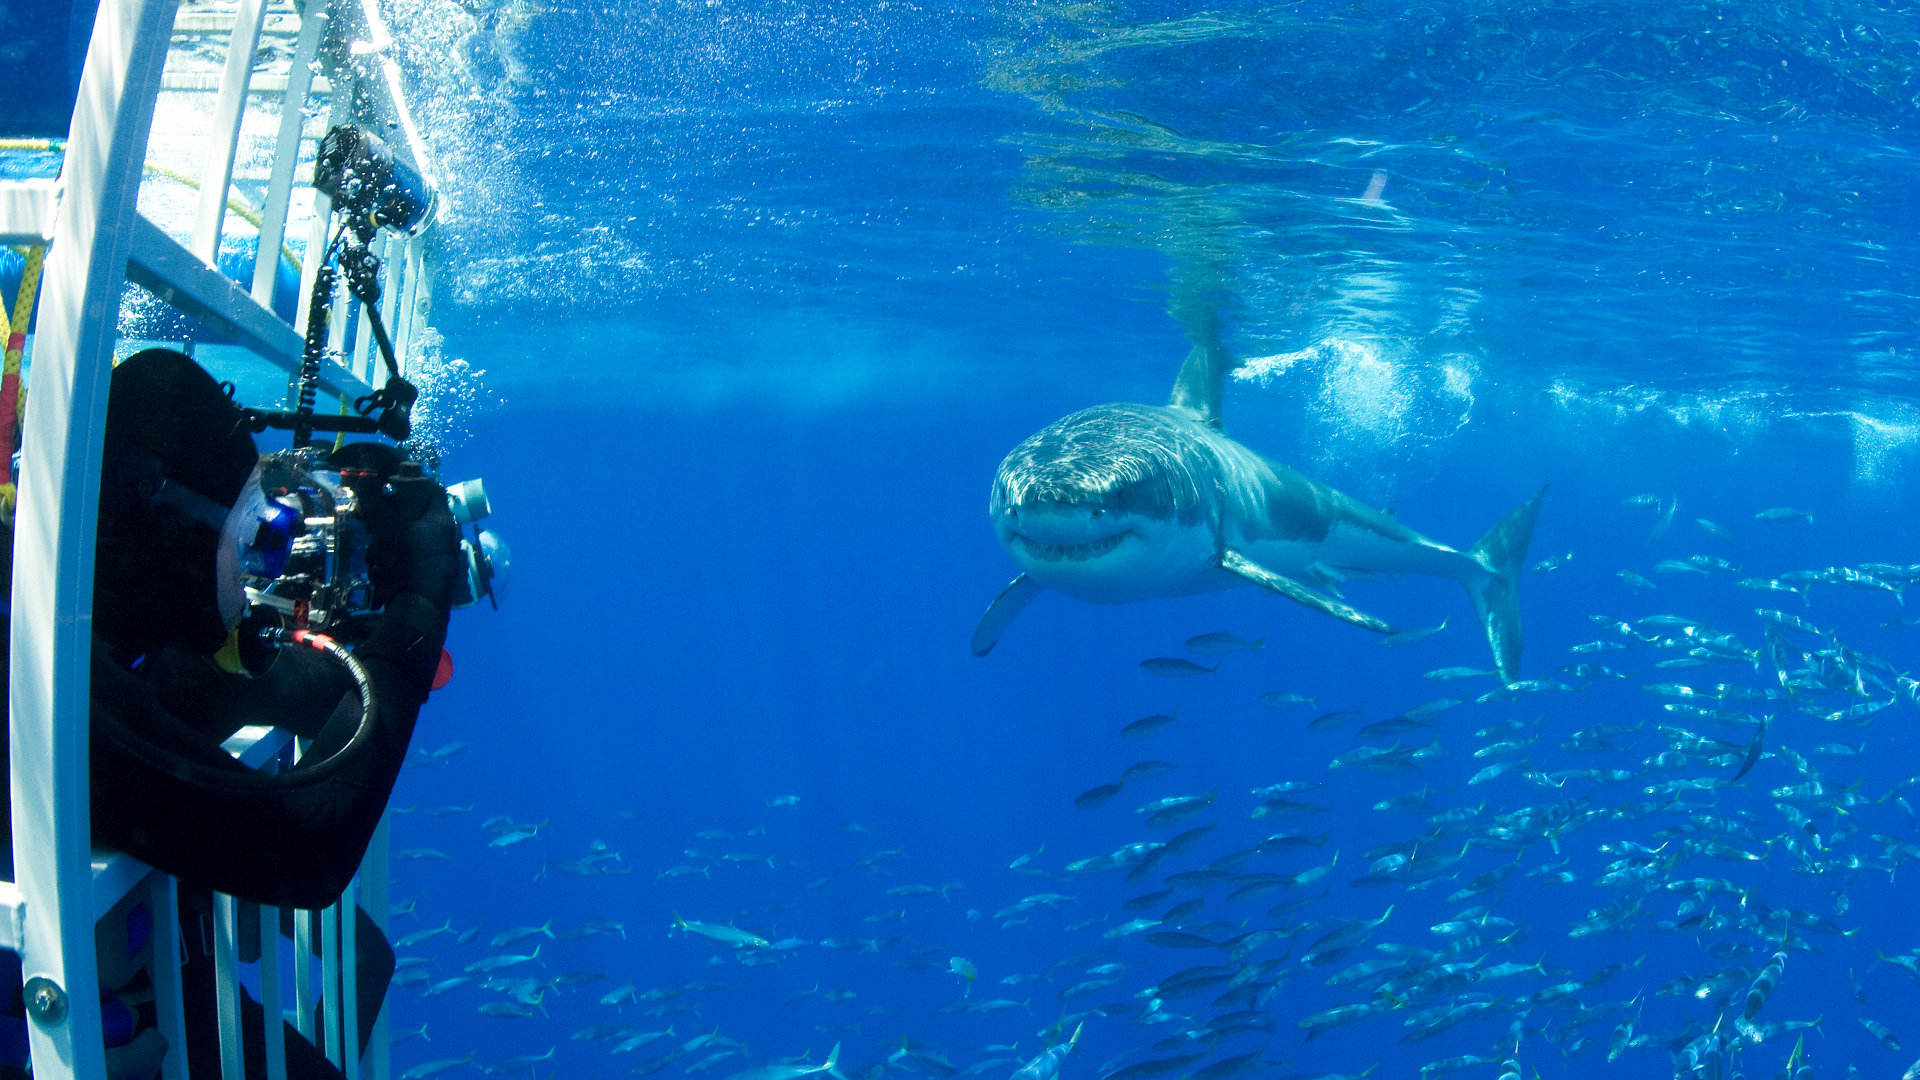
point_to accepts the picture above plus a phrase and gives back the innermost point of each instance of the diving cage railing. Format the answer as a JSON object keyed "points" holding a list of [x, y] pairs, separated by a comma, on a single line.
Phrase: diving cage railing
{"points": [[120, 214]]}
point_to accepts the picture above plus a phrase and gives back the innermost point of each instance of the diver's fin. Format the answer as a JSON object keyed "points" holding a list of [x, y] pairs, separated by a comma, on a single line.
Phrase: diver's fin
{"points": [[1496, 597], [1234, 562], [1202, 379], [1000, 614]]}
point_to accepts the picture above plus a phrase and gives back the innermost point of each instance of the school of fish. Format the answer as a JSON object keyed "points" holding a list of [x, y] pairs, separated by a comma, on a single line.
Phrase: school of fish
{"points": [[1644, 863]]}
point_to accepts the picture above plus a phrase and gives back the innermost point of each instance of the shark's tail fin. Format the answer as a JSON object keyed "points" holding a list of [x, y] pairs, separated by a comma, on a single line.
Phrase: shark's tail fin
{"points": [[1497, 596]]}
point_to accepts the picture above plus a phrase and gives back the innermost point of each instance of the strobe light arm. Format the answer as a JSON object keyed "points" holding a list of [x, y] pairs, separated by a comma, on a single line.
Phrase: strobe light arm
{"points": [[371, 190], [394, 401]]}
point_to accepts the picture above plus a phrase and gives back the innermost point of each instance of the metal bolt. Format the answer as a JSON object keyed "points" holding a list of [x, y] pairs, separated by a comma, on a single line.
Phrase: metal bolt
{"points": [[46, 1002]]}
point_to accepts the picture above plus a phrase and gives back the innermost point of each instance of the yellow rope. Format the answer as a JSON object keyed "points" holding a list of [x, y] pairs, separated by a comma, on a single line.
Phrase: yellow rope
{"points": [[234, 203], [15, 336], [22, 314]]}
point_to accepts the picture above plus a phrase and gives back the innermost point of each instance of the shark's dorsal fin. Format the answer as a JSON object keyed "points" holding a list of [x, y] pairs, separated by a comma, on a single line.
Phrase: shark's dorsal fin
{"points": [[1202, 378]]}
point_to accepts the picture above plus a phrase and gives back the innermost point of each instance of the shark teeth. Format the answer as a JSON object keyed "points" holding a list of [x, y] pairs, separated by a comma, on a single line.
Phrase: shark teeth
{"points": [[1071, 552]]}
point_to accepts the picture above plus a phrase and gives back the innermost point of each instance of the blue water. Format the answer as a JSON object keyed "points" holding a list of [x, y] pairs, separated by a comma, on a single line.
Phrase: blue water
{"points": [[762, 293], [779, 613], [768, 290]]}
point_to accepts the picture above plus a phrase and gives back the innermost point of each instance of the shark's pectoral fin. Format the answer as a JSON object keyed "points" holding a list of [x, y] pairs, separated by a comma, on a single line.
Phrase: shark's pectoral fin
{"points": [[1361, 573], [1237, 563], [1327, 577], [1000, 614]]}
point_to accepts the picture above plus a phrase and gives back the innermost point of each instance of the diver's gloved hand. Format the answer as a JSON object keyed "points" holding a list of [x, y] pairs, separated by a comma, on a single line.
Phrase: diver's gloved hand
{"points": [[414, 545]]}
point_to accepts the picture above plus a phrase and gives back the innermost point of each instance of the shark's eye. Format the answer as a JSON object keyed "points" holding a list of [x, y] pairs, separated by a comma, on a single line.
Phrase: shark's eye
{"points": [[1097, 513]]}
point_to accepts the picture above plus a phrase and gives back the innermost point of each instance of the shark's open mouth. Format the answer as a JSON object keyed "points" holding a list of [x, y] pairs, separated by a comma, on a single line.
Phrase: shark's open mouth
{"points": [[1071, 552]]}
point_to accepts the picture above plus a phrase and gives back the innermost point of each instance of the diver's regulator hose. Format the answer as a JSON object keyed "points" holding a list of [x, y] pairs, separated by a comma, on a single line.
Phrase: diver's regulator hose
{"points": [[361, 681], [222, 782]]}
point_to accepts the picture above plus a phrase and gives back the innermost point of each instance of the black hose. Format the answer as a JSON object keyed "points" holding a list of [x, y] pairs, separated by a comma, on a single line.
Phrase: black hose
{"points": [[361, 681], [295, 838], [314, 349], [306, 772]]}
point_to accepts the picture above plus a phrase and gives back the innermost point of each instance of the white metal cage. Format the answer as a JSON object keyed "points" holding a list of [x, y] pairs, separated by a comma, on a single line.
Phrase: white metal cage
{"points": [[192, 135]]}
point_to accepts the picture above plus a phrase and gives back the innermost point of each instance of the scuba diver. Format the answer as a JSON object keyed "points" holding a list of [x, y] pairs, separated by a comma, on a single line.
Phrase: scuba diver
{"points": [[166, 609], [175, 673]]}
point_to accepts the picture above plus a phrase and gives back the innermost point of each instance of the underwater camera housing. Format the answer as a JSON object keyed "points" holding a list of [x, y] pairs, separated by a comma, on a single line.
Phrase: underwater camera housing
{"points": [[319, 578], [306, 561]]}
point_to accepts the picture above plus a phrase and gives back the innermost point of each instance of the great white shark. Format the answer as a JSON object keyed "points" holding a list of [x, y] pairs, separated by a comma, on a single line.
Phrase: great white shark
{"points": [[1125, 502]]}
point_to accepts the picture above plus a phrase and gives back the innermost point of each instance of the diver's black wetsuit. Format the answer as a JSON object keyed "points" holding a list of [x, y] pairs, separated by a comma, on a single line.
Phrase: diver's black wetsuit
{"points": [[166, 793], [293, 841], [162, 788]]}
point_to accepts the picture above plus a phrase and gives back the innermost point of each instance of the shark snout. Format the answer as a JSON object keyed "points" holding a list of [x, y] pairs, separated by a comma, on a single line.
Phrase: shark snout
{"points": [[1052, 533], [1061, 523]]}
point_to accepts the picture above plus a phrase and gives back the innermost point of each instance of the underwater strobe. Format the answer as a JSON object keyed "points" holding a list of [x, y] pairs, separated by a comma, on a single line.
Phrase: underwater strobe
{"points": [[487, 558], [369, 187]]}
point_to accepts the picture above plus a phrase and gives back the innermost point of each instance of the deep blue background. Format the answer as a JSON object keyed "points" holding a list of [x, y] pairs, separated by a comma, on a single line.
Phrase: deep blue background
{"points": [[763, 292], [769, 289], [747, 603]]}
